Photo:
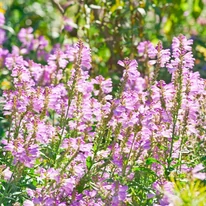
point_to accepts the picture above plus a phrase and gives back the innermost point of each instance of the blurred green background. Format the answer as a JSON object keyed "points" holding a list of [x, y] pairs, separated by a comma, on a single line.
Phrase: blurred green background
{"points": [[112, 28]]}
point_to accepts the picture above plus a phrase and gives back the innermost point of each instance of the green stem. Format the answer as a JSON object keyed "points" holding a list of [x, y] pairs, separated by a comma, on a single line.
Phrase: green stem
{"points": [[178, 102]]}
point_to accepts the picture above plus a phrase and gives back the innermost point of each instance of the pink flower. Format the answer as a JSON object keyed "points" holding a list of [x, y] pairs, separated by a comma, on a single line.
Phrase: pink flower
{"points": [[147, 48], [2, 19], [181, 53], [69, 24], [7, 174], [69, 185], [197, 174], [25, 36], [28, 203], [58, 59]]}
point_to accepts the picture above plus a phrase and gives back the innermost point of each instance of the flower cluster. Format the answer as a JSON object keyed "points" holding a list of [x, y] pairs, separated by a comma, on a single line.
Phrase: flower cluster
{"points": [[72, 142]]}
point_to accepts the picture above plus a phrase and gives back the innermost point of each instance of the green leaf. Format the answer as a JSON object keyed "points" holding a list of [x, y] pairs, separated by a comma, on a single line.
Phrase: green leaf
{"points": [[176, 137], [198, 6], [151, 160], [95, 148], [89, 162], [105, 53], [8, 28], [17, 193], [142, 169], [168, 26], [118, 5]]}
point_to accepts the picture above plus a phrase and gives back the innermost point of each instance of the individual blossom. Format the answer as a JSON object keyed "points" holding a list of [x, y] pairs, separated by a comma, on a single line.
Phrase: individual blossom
{"points": [[42, 42], [69, 24], [119, 193], [117, 157], [28, 203], [69, 185], [48, 174], [163, 56], [196, 172], [131, 79], [105, 87], [25, 36], [7, 174], [58, 59], [146, 48], [19, 51]]}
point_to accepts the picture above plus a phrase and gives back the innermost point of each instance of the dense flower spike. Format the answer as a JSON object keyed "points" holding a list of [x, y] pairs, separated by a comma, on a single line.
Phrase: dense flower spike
{"points": [[71, 142], [81, 54], [181, 53]]}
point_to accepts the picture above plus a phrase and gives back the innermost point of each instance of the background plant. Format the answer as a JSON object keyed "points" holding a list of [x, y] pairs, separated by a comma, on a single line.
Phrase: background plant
{"points": [[113, 29]]}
